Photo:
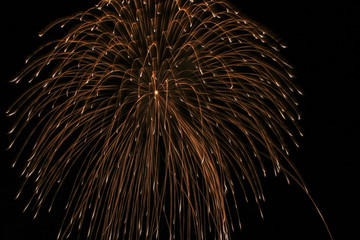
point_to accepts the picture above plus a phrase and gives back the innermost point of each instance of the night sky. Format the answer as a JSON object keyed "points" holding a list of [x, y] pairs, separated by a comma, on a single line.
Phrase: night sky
{"points": [[325, 52]]}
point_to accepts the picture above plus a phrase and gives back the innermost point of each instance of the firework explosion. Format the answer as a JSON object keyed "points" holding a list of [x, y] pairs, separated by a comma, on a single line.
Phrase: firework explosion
{"points": [[162, 107]]}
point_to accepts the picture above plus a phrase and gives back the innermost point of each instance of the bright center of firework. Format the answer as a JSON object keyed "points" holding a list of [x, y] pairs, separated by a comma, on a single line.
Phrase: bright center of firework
{"points": [[156, 92]]}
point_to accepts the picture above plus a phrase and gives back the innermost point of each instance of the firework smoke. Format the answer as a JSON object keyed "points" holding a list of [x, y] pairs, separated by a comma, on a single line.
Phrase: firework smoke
{"points": [[161, 107]]}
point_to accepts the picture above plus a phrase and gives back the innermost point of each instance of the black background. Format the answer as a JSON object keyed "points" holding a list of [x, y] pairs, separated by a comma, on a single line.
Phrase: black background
{"points": [[324, 49]]}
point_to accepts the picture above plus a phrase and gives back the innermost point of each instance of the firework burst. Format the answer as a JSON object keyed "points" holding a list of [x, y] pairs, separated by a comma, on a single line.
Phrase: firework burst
{"points": [[161, 107]]}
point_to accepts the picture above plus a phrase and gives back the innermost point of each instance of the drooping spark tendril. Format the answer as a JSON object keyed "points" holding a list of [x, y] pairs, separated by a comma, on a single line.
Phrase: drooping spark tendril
{"points": [[162, 107]]}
